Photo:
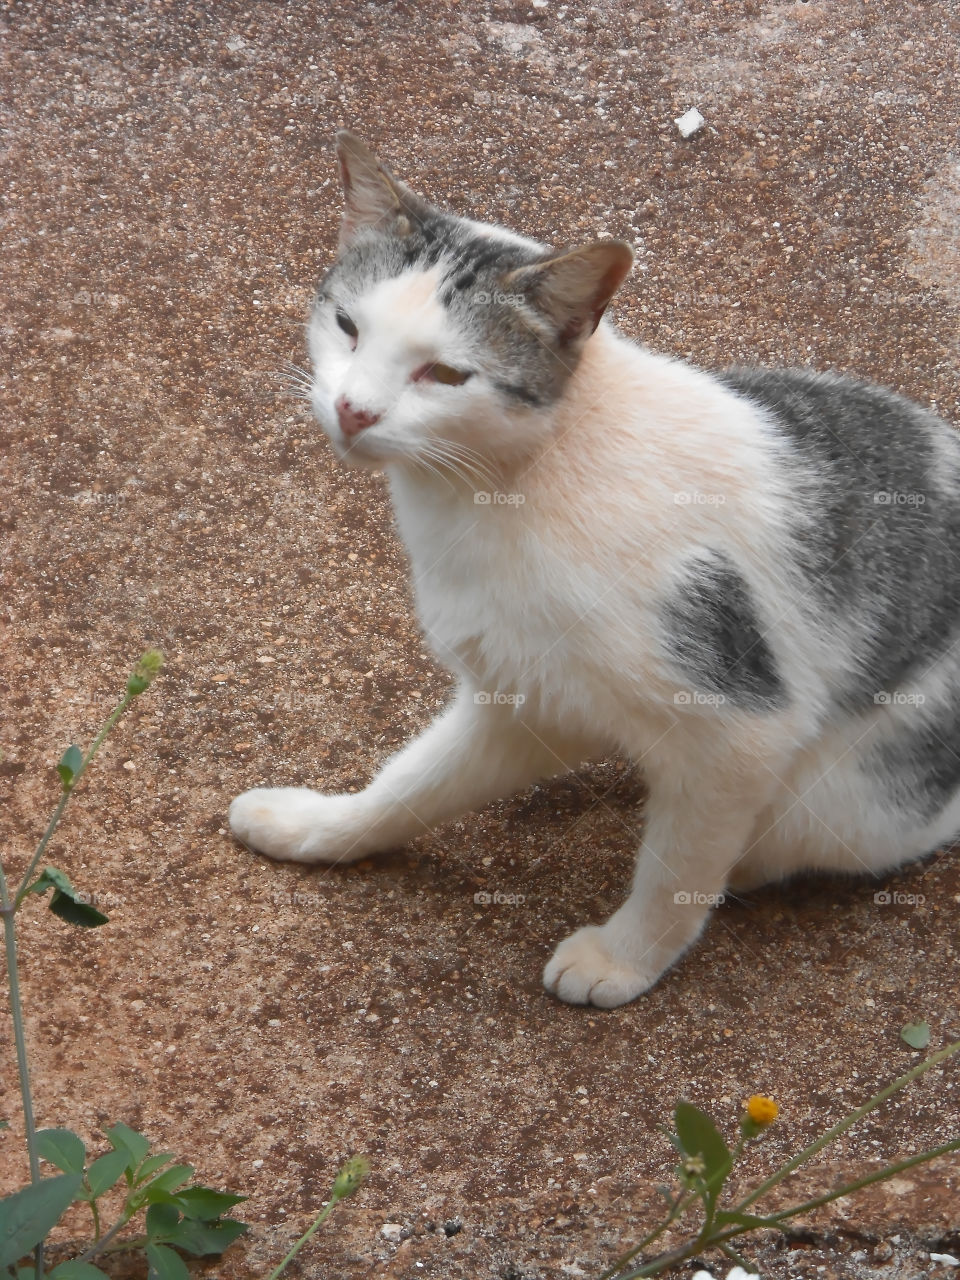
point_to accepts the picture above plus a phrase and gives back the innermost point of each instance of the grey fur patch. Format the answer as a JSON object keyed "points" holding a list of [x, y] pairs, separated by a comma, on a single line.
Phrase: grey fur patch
{"points": [[880, 548], [715, 638], [920, 767], [520, 360]]}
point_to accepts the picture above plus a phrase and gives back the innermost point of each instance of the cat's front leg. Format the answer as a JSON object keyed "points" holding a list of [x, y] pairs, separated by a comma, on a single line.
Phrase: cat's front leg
{"points": [[701, 812], [475, 751]]}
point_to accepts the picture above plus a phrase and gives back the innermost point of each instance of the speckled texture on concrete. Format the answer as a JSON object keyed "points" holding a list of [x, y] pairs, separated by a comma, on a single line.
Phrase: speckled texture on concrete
{"points": [[170, 203]]}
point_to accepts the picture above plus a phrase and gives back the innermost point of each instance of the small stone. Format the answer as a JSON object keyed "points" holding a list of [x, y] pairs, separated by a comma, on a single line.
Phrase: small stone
{"points": [[391, 1231], [690, 122]]}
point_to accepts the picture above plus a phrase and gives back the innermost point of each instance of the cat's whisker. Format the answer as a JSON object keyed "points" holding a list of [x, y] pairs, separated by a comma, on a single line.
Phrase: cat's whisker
{"points": [[451, 463]]}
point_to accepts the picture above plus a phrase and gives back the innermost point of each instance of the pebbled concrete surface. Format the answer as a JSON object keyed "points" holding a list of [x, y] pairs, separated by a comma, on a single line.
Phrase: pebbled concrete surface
{"points": [[170, 203]]}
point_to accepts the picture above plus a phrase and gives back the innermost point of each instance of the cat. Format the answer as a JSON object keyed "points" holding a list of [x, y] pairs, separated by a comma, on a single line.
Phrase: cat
{"points": [[744, 581]]}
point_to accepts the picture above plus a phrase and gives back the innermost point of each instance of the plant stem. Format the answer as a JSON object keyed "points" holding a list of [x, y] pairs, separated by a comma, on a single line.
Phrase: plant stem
{"points": [[8, 910], [845, 1124], [317, 1224], [678, 1208], [99, 1245], [683, 1252], [879, 1175], [64, 799]]}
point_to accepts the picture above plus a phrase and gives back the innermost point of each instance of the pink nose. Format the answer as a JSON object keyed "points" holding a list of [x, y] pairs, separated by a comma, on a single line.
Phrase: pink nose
{"points": [[352, 420]]}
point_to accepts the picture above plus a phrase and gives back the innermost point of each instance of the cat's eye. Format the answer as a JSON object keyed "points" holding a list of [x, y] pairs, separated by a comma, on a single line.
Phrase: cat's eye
{"points": [[442, 373], [347, 325]]}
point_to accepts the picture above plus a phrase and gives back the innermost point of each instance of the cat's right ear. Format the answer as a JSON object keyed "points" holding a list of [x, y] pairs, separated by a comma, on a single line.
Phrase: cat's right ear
{"points": [[373, 196]]}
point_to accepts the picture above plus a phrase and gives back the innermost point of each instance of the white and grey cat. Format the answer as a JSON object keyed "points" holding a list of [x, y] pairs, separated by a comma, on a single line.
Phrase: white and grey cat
{"points": [[747, 582]]}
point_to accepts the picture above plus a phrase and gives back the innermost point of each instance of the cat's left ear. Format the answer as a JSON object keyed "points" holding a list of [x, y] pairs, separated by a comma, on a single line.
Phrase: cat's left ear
{"points": [[574, 289], [373, 196]]}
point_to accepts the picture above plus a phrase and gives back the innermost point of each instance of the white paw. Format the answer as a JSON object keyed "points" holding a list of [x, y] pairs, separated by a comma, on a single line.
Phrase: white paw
{"points": [[585, 969], [295, 824]]}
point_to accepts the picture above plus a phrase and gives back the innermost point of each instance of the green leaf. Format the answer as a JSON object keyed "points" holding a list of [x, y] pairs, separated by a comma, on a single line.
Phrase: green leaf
{"points": [[66, 901], [152, 1165], [27, 1215], [74, 912], [69, 766], [4, 1124], [200, 1238], [698, 1136], [105, 1171], [165, 1264], [134, 1144], [63, 1148], [205, 1204], [739, 1219], [162, 1221], [166, 1182], [916, 1034], [76, 1270]]}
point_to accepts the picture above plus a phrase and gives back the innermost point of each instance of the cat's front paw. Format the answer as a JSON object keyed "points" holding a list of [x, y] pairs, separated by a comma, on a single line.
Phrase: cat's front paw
{"points": [[585, 969], [295, 824]]}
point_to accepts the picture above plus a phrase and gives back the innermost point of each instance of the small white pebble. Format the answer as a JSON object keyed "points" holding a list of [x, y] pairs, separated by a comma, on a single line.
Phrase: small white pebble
{"points": [[391, 1231], [258, 1164], [128, 764], [947, 1259], [690, 122]]}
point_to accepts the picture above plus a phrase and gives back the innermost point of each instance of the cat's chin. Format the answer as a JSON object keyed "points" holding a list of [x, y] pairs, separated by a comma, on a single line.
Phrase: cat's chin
{"points": [[360, 458]]}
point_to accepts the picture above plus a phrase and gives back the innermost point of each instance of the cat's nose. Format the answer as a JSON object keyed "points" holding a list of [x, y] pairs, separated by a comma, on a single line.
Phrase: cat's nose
{"points": [[352, 420]]}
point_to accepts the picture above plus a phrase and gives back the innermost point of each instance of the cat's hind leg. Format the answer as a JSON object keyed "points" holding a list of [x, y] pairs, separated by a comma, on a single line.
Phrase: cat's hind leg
{"points": [[872, 794]]}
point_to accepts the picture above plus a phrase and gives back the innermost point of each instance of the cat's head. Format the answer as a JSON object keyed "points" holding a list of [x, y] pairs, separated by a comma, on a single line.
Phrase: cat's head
{"points": [[433, 335]]}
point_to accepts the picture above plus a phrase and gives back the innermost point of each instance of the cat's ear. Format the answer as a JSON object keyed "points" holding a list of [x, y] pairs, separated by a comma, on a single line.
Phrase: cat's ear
{"points": [[574, 289], [373, 196]]}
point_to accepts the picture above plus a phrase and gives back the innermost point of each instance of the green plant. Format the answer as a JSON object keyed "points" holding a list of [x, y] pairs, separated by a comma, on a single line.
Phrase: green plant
{"points": [[178, 1215], [706, 1163], [350, 1177]]}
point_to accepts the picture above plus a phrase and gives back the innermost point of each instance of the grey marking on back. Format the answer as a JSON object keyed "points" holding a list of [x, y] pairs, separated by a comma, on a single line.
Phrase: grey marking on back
{"points": [[882, 551]]}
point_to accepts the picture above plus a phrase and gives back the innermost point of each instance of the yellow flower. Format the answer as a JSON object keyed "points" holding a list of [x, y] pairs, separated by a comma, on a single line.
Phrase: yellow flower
{"points": [[762, 1111]]}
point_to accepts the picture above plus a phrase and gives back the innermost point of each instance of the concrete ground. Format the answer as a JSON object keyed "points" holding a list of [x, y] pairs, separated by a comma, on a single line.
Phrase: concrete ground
{"points": [[170, 203]]}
